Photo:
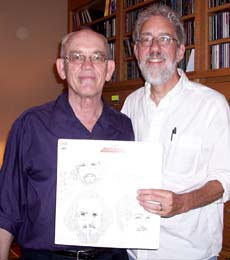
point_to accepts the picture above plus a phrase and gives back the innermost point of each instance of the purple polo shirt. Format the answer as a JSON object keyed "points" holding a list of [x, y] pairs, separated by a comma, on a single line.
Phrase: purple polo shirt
{"points": [[28, 173]]}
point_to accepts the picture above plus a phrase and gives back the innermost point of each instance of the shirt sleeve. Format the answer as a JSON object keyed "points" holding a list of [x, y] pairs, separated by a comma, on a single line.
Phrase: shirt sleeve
{"points": [[219, 136], [12, 195]]}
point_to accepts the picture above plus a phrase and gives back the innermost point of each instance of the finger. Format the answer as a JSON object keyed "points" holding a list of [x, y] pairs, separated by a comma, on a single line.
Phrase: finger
{"points": [[157, 210], [145, 191], [151, 198], [151, 205], [156, 193]]}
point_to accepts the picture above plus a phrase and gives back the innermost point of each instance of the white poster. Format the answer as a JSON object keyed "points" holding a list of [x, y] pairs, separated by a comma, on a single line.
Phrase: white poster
{"points": [[97, 183]]}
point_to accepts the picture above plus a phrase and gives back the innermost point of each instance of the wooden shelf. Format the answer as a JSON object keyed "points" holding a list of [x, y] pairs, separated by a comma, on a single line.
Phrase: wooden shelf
{"points": [[139, 5], [219, 8], [219, 41], [188, 17]]}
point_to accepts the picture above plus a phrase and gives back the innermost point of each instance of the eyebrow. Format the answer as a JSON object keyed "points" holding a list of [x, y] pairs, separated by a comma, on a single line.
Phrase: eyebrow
{"points": [[82, 52], [161, 34]]}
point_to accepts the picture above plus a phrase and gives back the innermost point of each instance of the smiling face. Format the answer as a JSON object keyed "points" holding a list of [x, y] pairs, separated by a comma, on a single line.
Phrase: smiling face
{"points": [[85, 79], [89, 171], [139, 222], [158, 63]]}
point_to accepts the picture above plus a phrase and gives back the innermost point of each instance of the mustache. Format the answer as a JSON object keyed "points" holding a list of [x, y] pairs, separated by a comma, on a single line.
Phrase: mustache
{"points": [[155, 55]]}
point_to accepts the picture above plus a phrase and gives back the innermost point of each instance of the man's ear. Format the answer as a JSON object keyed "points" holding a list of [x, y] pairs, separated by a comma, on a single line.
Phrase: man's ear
{"points": [[61, 68], [110, 69], [180, 53], [135, 51]]}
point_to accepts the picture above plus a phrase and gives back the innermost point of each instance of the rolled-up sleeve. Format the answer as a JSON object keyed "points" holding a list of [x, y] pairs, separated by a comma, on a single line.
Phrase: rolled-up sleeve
{"points": [[12, 182], [219, 136]]}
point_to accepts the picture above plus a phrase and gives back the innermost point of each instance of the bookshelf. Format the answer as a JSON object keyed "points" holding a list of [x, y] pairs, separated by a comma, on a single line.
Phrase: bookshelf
{"points": [[203, 22], [207, 25], [219, 35]]}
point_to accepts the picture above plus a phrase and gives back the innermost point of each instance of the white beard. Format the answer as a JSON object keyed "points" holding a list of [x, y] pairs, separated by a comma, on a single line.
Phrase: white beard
{"points": [[157, 76]]}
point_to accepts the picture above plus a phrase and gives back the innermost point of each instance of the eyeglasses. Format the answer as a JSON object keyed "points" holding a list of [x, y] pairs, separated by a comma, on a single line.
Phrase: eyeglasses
{"points": [[78, 58], [162, 40]]}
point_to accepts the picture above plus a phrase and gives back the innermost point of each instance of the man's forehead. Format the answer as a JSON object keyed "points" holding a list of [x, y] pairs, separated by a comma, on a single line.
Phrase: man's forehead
{"points": [[87, 41], [157, 23]]}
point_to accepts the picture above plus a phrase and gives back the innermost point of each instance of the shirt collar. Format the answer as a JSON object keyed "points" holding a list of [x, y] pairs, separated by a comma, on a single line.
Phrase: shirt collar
{"points": [[64, 115]]}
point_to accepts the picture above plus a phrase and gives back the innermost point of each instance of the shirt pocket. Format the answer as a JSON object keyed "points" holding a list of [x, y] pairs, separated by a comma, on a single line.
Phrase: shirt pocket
{"points": [[182, 154]]}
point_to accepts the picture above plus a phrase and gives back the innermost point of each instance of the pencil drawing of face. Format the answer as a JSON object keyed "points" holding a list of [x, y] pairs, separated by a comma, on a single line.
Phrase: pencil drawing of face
{"points": [[88, 217], [131, 217], [139, 222], [89, 172]]}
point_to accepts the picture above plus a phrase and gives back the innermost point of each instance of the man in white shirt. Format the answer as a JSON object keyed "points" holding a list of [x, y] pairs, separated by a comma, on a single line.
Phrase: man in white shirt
{"points": [[192, 123]]}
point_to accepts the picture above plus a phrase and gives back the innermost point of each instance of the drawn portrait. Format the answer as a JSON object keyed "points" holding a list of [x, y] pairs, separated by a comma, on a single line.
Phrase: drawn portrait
{"points": [[87, 171], [88, 217], [132, 218]]}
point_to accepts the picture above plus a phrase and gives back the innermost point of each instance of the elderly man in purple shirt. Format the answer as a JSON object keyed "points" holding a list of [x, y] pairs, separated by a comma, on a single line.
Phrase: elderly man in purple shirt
{"points": [[28, 174]]}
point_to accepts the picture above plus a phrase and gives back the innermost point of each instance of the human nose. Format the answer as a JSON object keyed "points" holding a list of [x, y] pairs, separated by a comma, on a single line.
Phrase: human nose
{"points": [[87, 62], [154, 44]]}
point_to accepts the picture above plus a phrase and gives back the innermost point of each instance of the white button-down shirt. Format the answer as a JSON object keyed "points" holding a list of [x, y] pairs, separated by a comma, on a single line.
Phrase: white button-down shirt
{"points": [[192, 122]]}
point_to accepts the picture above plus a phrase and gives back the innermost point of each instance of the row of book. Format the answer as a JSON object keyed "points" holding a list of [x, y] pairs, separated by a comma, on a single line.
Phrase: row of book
{"points": [[219, 26], [184, 62], [129, 3], [182, 7], [214, 3], [80, 18], [92, 13], [128, 48], [107, 28], [189, 32], [130, 20], [133, 71], [220, 56], [110, 28], [88, 15], [112, 50]]}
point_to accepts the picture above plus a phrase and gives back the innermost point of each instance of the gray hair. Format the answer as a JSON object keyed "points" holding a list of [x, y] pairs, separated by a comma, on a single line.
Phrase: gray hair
{"points": [[164, 11], [68, 37]]}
